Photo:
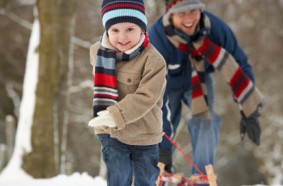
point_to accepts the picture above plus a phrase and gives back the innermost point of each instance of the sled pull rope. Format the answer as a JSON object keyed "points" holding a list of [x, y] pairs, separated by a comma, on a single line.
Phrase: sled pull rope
{"points": [[185, 156]]}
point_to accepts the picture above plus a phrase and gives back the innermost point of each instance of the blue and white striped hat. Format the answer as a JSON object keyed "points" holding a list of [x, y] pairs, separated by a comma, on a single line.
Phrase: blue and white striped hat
{"points": [[118, 11]]}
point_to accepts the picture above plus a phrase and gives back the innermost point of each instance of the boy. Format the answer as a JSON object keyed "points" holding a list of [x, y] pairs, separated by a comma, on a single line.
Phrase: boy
{"points": [[129, 82]]}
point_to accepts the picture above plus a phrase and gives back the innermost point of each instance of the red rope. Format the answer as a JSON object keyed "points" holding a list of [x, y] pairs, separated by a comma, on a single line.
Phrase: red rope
{"points": [[185, 156]]}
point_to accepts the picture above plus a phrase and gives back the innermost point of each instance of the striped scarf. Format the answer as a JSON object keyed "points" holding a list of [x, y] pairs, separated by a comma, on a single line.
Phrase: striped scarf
{"points": [[105, 84], [245, 93]]}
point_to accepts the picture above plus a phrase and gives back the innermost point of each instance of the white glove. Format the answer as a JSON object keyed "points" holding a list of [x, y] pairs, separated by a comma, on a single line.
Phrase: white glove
{"points": [[104, 119]]}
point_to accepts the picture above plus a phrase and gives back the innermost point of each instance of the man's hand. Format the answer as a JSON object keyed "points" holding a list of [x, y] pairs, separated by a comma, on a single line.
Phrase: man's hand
{"points": [[251, 126], [104, 119], [165, 156]]}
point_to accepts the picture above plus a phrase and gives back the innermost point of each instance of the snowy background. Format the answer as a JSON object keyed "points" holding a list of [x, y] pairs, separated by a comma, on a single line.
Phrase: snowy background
{"points": [[13, 175], [258, 27]]}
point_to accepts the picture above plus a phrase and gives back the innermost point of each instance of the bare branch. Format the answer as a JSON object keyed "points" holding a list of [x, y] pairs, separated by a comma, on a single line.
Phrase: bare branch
{"points": [[14, 96], [81, 43], [28, 25], [14, 17]]}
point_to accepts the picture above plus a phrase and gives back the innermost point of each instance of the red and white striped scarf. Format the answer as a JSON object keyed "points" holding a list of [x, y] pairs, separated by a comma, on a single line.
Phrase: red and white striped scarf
{"points": [[105, 83], [245, 93]]}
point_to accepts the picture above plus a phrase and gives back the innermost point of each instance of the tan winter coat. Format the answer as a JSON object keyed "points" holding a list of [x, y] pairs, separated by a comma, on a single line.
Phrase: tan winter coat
{"points": [[141, 85]]}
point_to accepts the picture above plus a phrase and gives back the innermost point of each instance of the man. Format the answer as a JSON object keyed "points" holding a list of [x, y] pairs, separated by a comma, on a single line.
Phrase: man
{"points": [[196, 43]]}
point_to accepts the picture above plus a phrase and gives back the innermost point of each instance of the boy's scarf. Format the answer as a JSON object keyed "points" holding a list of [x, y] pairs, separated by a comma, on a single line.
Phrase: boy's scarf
{"points": [[245, 93], [105, 85]]}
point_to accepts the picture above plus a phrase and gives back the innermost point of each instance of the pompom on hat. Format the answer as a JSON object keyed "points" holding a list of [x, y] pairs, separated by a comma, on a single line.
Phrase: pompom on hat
{"points": [[119, 11], [177, 6]]}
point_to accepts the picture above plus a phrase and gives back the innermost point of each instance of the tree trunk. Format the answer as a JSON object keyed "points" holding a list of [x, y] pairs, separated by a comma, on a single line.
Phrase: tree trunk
{"points": [[55, 19]]}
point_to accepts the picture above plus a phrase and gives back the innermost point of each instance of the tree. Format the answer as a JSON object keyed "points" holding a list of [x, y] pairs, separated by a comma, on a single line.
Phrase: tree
{"points": [[55, 19], [256, 23]]}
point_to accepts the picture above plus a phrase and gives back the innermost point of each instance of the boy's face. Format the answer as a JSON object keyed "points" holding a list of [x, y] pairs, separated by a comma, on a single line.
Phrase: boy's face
{"points": [[124, 36], [187, 21]]}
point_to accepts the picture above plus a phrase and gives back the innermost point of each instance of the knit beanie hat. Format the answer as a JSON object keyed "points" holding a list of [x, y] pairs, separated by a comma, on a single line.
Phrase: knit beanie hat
{"points": [[176, 6], [118, 11]]}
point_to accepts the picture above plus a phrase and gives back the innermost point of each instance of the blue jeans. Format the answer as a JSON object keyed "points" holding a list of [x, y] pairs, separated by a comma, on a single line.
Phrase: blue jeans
{"points": [[125, 162], [204, 133]]}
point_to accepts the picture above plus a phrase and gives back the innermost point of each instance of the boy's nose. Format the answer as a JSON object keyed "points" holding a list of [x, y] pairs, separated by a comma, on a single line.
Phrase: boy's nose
{"points": [[122, 36]]}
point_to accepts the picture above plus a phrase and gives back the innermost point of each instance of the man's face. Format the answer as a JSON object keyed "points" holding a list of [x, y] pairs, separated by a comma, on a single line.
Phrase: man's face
{"points": [[186, 21]]}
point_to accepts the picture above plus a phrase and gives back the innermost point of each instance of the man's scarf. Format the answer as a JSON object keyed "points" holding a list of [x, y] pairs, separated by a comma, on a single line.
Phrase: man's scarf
{"points": [[105, 85], [245, 93]]}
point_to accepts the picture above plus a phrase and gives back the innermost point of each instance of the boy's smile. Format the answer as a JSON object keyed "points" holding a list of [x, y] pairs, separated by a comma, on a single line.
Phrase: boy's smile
{"points": [[124, 36]]}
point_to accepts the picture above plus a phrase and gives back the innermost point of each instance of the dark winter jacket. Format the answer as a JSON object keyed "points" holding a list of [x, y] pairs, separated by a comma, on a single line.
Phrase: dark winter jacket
{"points": [[220, 34]]}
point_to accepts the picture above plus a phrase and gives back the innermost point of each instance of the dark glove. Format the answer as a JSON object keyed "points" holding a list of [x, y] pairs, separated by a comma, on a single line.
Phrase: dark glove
{"points": [[251, 126], [165, 156]]}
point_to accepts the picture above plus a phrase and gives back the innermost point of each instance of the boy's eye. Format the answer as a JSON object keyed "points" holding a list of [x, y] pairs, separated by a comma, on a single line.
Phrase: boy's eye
{"points": [[130, 29]]}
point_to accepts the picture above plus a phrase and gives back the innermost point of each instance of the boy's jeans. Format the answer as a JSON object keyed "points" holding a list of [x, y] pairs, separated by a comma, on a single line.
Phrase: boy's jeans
{"points": [[204, 133], [125, 162]]}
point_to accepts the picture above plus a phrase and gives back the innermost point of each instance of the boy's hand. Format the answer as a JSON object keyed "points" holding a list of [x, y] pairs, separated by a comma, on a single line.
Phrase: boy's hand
{"points": [[104, 119]]}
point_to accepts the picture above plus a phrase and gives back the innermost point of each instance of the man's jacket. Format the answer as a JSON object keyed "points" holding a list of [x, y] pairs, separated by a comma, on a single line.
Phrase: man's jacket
{"points": [[180, 77]]}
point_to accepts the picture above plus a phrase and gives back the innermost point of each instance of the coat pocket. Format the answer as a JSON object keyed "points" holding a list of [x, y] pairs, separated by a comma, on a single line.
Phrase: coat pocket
{"points": [[128, 82]]}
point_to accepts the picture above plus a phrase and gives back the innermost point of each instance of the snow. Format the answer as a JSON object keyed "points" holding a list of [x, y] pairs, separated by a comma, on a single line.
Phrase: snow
{"points": [[76, 179], [27, 2], [13, 174], [23, 136]]}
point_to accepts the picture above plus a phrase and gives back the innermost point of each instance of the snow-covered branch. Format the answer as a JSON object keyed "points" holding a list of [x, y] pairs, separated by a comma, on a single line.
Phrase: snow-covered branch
{"points": [[82, 85]]}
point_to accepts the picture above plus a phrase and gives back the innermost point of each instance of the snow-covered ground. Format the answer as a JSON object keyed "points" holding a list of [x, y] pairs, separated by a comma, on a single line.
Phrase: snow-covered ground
{"points": [[61, 180]]}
